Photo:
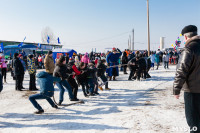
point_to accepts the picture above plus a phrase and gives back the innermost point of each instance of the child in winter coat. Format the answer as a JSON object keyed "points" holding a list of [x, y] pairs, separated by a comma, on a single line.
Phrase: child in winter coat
{"points": [[82, 78], [166, 60], [3, 67], [91, 78], [45, 81], [101, 69], [71, 79], [152, 58]]}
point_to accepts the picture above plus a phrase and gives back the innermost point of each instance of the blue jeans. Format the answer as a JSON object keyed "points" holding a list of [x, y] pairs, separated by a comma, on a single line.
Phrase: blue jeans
{"points": [[91, 85], [40, 96], [61, 86], [166, 64]]}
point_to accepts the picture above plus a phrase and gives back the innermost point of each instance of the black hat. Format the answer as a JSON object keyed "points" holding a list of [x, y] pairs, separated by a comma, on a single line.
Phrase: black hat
{"points": [[30, 56], [61, 59], [50, 52], [189, 28], [15, 55]]}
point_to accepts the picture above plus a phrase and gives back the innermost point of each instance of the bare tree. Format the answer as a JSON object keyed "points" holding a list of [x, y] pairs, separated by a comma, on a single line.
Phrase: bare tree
{"points": [[47, 32]]}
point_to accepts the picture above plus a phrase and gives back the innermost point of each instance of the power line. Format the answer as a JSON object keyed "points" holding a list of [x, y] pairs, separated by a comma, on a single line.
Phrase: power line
{"points": [[106, 38]]}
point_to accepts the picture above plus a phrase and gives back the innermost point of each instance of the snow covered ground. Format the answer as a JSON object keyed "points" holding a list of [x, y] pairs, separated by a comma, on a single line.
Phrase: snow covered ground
{"points": [[130, 107]]}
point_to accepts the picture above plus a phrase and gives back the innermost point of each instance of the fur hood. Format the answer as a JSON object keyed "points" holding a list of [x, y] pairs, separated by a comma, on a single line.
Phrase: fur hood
{"points": [[192, 39]]}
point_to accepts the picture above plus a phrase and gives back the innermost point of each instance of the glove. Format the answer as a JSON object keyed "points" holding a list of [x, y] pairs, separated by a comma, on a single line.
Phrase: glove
{"points": [[118, 49], [108, 64]]}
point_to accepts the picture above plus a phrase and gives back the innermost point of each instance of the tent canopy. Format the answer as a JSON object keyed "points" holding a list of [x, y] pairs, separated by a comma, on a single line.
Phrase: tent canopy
{"points": [[23, 46], [58, 51]]}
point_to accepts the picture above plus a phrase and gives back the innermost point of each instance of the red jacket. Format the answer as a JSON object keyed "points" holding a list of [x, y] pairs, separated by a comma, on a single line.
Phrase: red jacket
{"points": [[77, 72]]}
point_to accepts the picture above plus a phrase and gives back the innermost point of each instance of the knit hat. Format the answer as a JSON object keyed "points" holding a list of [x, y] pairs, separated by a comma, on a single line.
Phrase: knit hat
{"points": [[15, 55], [30, 56], [20, 55], [74, 54], [61, 59], [189, 29], [114, 49]]}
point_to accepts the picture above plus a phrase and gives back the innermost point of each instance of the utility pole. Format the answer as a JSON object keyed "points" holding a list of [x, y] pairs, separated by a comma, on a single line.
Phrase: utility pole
{"points": [[133, 41], [130, 42], [148, 32]]}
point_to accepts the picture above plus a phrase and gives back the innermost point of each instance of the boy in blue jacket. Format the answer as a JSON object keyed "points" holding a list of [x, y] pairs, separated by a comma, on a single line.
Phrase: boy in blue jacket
{"points": [[45, 81]]}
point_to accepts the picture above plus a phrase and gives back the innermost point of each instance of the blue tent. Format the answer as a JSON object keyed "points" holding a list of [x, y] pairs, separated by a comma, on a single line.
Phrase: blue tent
{"points": [[63, 51]]}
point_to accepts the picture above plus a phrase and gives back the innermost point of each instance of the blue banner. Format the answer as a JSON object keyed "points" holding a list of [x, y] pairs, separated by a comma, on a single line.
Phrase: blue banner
{"points": [[1, 47], [58, 40], [20, 45], [48, 39]]}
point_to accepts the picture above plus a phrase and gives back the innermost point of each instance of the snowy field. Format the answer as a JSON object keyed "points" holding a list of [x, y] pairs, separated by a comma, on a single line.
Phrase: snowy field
{"points": [[130, 107]]}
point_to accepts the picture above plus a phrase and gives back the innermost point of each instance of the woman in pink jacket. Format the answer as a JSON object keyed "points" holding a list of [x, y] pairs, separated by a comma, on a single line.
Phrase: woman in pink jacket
{"points": [[3, 67], [85, 59]]}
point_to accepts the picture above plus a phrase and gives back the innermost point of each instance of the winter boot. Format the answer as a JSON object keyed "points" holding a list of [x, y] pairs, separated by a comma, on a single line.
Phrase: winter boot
{"points": [[59, 103], [5, 81], [85, 95], [100, 88], [39, 112], [110, 78], [114, 78], [55, 106], [96, 93], [91, 94]]}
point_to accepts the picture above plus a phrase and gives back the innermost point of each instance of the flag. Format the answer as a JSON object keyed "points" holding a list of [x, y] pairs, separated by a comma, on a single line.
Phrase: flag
{"points": [[48, 39], [24, 38], [39, 45], [1, 47], [20, 45], [58, 40]]}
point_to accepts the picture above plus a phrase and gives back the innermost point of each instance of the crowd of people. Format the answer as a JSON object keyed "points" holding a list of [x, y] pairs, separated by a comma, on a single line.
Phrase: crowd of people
{"points": [[89, 71]]}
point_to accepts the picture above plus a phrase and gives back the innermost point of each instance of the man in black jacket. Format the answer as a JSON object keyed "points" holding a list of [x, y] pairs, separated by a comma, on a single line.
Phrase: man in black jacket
{"points": [[188, 77], [18, 71], [141, 63], [132, 67]]}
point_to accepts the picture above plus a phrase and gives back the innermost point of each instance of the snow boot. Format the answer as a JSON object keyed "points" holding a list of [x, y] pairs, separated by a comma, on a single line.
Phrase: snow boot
{"points": [[55, 106], [5, 81], [114, 78], [96, 93], [110, 78], [91, 94], [75, 99], [59, 103], [100, 88], [85, 95], [39, 112]]}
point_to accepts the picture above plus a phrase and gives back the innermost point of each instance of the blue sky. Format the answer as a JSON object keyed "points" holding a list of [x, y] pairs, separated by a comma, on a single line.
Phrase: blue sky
{"points": [[86, 24]]}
